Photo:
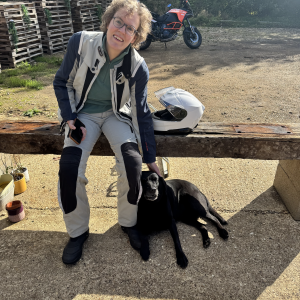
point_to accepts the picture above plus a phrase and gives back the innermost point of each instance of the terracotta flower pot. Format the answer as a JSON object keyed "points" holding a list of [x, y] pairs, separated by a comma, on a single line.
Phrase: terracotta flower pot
{"points": [[15, 211], [20, 185]]}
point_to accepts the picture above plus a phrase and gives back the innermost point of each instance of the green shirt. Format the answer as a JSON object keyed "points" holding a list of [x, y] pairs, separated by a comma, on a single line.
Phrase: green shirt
{"points": [[99, 97]]}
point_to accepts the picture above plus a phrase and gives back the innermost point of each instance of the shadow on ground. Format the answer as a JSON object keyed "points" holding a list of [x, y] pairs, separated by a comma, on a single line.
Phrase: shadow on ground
{"points": [[262, 245]]}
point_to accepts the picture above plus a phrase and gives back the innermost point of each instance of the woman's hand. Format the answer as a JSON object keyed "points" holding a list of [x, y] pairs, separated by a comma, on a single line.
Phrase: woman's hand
{"points": [[153, 167], [83, 129]]}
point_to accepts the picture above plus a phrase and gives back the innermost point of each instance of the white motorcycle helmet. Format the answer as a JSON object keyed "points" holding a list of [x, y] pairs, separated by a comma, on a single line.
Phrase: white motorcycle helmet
{"points": [[182, 114]]}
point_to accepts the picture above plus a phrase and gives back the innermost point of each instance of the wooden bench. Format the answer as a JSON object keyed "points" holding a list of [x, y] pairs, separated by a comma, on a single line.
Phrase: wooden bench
{"points": [[220, 140]]}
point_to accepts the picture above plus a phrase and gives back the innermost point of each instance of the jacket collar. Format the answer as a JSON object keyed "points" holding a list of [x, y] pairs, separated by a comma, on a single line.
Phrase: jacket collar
{"points": [[96, 53]]}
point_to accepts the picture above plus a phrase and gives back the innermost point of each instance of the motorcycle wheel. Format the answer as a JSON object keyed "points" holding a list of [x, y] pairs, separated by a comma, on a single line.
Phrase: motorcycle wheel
{"points": [[144, 45], [193, 41]]}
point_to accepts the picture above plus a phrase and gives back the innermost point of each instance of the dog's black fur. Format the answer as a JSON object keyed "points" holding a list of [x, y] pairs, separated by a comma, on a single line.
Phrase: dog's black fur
{"points": [[163, 203]]}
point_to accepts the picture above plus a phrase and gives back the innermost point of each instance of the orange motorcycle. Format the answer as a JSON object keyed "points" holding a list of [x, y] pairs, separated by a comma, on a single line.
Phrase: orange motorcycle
{"points": [[165, 28]]}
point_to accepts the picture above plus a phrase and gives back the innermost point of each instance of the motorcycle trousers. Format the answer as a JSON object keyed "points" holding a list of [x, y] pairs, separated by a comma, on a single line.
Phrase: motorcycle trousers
{"points": [[72, 196]]}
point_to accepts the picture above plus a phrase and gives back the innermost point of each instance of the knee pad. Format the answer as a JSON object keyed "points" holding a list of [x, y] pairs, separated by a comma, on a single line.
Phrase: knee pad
{"points": [[133, 166], [68, 174]]}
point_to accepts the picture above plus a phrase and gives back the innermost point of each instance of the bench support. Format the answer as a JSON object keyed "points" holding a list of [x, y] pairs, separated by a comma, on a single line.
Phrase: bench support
{"points": [[287, 184]]}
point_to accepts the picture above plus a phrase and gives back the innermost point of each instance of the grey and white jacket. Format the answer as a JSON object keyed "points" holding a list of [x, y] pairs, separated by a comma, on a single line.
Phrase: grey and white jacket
{"points": [[77, 73]]}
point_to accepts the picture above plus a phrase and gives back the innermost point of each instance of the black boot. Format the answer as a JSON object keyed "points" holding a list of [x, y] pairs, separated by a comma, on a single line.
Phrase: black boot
{"points": [[73, 249], [134, 236]]}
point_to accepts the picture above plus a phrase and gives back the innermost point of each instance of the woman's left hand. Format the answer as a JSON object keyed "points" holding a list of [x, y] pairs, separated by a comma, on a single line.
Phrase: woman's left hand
{"points": [[153, 167]]}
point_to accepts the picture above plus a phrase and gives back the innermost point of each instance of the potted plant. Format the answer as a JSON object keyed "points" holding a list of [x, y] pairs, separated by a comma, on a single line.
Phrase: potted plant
{"points": [[19, 168], [15, 168]]}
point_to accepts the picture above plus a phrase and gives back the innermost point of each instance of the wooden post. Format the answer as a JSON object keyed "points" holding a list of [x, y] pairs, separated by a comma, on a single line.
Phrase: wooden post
{"points": [[287, 184]]}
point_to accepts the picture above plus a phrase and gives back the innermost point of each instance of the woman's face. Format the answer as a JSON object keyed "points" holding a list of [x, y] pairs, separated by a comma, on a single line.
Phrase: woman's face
{"points": [[117, 39]]}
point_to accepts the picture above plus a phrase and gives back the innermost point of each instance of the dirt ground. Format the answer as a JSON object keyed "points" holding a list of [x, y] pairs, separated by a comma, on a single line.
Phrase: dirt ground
{"points": [[240, 75]]}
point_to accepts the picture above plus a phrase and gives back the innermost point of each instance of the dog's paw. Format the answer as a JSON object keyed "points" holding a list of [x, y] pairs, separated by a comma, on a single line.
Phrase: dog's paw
{"points": [[206, 243], [223, 234], [182, 261]]}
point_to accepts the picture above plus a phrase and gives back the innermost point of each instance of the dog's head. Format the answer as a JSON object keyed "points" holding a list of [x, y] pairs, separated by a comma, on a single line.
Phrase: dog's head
{"points": [[150, 184]]}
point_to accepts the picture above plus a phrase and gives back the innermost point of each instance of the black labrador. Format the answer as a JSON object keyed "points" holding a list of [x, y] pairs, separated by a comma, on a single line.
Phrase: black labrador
{"points": [[163, 203]]}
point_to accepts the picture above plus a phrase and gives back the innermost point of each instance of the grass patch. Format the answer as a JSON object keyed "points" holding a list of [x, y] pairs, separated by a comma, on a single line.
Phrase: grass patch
{"points": [[31, 112], [43, 67], [19, 82], [52, 60]]}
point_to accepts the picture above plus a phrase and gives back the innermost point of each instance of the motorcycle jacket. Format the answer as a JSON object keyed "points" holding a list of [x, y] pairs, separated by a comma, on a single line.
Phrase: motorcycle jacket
{"points": [[81, 65]]}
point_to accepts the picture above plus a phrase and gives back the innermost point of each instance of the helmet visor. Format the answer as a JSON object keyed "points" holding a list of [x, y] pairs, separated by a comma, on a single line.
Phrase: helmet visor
{"points": [[177, 111], [170, 99]]}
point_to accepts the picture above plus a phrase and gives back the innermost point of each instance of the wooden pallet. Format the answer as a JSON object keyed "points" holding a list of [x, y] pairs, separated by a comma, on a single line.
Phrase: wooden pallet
{"points": [[105, 3], [61, 28], [29, 42], [84, 15]]}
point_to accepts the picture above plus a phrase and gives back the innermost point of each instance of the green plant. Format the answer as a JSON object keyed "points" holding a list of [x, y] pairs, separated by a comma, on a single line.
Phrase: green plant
{"points": [[11, 72], [56, 61], [68, 5], [31, 112], [48, 16], [33, 84], [13, 32], [12, 166], [17, 165], [26, 18], [24, 65], [19, 82], [99, 12], [6, 163]]}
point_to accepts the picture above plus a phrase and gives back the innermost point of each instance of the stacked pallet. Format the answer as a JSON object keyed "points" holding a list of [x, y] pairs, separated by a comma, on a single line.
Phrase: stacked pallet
{"points": [[104, 4], [56, 24], [85, 15], [25, 43]]}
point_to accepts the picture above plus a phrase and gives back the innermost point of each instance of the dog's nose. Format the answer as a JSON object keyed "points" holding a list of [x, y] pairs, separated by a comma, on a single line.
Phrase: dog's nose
{"points": [[153, 191]]}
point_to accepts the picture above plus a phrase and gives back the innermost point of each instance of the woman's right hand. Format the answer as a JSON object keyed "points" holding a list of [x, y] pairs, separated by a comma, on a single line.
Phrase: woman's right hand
{"points": [[71, 124], [83, 129]]}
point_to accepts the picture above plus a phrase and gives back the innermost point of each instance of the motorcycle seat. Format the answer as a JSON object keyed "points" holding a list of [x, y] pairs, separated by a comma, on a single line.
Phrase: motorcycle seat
{"points": [[154, 15], [162, 18]]}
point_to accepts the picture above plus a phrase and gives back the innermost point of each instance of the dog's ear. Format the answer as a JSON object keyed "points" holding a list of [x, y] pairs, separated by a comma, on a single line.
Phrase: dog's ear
{"points": [[162, 187], [146, 174]]}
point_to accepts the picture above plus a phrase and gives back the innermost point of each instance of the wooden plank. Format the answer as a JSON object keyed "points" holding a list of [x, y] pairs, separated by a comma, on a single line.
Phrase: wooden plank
{"points": [[218, 140]]}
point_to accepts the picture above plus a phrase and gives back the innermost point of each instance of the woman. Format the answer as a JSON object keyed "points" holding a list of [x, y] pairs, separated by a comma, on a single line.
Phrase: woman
{"points": [[103, 82]]}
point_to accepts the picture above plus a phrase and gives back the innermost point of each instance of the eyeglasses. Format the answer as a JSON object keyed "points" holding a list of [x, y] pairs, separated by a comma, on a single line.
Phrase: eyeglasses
{"points": [[119, 24]]}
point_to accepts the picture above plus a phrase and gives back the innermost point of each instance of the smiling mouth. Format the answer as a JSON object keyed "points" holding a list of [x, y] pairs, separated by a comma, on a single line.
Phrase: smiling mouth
{"points": [[118, 38]]}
